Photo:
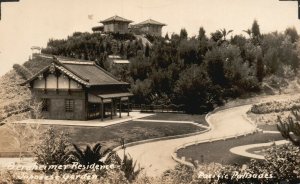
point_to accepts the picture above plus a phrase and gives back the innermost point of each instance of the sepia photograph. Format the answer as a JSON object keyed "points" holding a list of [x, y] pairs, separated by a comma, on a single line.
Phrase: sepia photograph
{"points": [[150, 91]]}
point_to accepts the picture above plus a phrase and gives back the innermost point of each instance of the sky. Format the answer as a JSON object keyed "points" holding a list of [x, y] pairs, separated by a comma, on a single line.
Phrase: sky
{"points": [[33, 22]]}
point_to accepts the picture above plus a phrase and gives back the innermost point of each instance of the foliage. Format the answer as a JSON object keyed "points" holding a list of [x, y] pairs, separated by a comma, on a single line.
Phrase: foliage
{"points": [[290, 129], [192, 89], [183, 34], [282, 162], [275, 106], [25, 135], [255, 30], [233, 66], [128, 166], [292, 33], [53, 148], [22, 71], [89, 155]]}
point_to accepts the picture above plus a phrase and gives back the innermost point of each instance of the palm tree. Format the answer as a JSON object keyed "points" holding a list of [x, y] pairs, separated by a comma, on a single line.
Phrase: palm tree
{"points": [[225, 33], [248, 31], [89, 155]]}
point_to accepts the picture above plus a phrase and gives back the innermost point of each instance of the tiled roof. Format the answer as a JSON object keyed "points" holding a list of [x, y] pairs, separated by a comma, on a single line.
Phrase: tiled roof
{"points": [[116, 18], [95, 74], [151, 22], [84, 72]]}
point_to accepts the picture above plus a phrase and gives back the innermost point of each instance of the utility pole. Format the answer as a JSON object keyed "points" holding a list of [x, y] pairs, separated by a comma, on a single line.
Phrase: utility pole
{"points": [[298, 6], [3, 1]]}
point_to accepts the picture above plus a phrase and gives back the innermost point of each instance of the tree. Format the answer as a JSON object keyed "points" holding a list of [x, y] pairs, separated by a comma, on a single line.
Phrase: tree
{"points": [[202, 35], [22, 71], [183, 34], [249, 32], [215, 66], [142, 91], [259, 69], [225, 33], [122, 51], [167, 36], [147, 50], [193, 90], [53, 149], [89, 155], [188, 51], [292, 33], [255, 29], [217, 36], [25, 135], [255, 32]]}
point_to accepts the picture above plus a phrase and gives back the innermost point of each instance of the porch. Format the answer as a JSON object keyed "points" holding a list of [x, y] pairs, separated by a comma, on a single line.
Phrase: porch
{"points": [[106, 106]]}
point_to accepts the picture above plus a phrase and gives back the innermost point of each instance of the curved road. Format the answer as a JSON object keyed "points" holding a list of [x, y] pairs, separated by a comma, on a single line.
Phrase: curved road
{"points": [[155, 157]]}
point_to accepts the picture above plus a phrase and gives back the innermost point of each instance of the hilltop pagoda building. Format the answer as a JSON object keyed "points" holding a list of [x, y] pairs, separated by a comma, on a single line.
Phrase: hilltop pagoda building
{"points": [[115, 24], [149, 26]]}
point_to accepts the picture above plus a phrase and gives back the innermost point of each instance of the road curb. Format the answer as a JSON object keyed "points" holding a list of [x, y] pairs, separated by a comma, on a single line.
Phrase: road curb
{"points": [[189, 164], [164, 138]]}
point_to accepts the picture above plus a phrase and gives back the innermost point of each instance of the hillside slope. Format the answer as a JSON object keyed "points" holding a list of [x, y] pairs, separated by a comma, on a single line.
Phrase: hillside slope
{"points": [[14, 97]]}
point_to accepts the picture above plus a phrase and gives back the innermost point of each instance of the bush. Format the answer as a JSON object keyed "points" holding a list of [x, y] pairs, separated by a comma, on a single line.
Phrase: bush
{"points": [[283, 162], [22, 71], [53, 148], [89, 155], [290, 129], [275, 106]]}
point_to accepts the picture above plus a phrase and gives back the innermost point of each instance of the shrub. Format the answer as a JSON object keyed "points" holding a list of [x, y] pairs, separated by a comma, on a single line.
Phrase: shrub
{"points": [[22, 71], [53, 148], [290, 129], [89, 155], [275, 106], [283, 162]]}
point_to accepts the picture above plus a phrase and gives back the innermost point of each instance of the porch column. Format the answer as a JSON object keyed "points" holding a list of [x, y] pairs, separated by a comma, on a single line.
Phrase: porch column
{"points": [[111, 109], [115, 107], [102, 106], [120, 109], [128, 107]]}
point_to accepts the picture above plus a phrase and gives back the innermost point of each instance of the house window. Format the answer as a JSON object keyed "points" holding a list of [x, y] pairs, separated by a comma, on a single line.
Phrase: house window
{"points": [[45, 104], [69, 105]]}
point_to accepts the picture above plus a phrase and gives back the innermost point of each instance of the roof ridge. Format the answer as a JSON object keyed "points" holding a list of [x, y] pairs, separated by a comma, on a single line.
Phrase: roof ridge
{"points": [[78, 62], [113, 18], [151, 21]]}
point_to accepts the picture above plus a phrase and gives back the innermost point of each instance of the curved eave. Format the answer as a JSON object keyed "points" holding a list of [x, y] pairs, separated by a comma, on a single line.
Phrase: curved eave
{"points": [[61, 69]]}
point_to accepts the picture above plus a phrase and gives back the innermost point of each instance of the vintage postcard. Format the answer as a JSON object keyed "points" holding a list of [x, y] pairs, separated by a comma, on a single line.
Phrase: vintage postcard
{"points": [[149, 91]]}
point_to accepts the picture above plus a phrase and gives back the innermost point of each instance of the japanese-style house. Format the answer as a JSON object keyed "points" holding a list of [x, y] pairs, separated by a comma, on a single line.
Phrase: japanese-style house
{"points": [[149, 26], [116, 24], [78, 90]]}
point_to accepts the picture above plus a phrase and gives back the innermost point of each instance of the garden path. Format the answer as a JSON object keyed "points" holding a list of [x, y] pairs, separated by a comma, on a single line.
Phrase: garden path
{"points": [[155, 157]]}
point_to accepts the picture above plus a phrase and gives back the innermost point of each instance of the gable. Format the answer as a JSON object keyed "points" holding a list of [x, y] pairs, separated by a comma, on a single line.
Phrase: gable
{"points": [[52, 81]]}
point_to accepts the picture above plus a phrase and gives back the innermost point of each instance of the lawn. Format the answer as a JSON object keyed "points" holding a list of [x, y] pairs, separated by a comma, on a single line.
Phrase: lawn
{"points": [[110, 136], [179, 117], [219, 151], [268, 127]]}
